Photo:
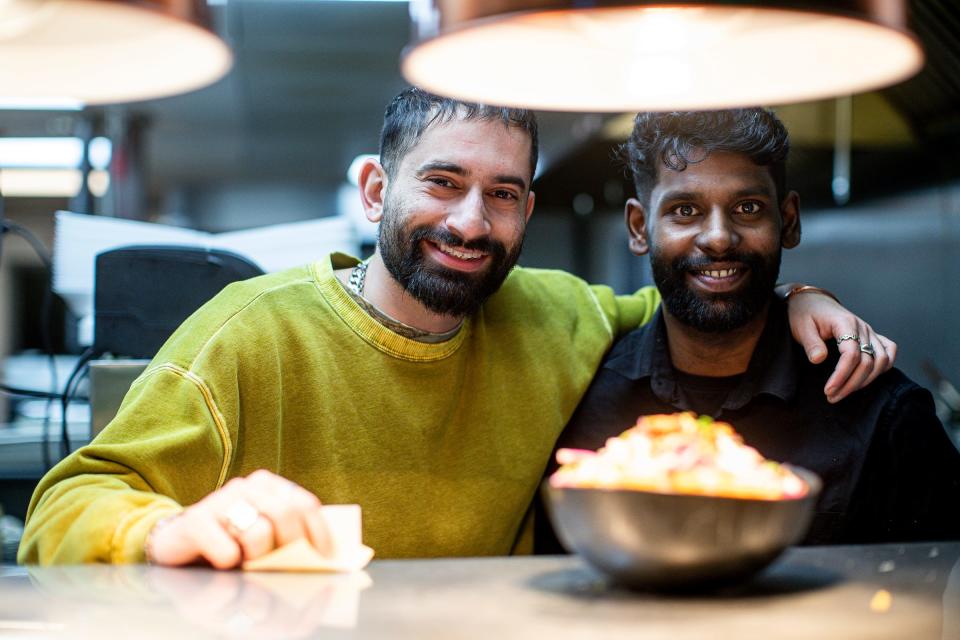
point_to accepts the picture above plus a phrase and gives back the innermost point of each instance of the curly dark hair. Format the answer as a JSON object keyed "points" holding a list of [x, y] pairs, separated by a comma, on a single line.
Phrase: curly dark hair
{"points": [[678, 138], [414, 110]]}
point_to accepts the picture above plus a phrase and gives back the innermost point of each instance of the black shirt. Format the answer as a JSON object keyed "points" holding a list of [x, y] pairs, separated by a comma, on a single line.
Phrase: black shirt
{"points": [[890, 471]]}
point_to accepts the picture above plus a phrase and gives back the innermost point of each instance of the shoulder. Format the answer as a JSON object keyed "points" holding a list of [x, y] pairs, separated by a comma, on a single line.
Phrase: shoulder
{"points": [[890, 388], [257, 296], [242, 294], [544, 291], [891, 401], [621, 369], [903, 399], [244, 303], [541, 282], [633, 341], [892, 385], [631, 351]]}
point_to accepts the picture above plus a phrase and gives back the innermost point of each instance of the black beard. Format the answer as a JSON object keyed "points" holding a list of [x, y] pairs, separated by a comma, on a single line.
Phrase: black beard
{"points": [[715, 313], [441, 290]]}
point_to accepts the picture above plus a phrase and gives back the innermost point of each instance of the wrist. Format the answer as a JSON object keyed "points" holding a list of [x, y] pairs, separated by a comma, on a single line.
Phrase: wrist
{"points": [[149, 544], [787, 291]]}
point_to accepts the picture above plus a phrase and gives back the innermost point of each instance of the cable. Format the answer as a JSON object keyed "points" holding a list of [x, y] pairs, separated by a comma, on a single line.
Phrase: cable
{"points": [[3, 226], [46, 313], [70, 388], [45, 438], [26, 234], [17, 392]]}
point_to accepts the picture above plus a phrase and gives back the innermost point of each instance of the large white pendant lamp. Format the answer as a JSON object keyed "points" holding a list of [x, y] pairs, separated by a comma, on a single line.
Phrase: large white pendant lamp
{"points": [[583, 55], [106, 51]]}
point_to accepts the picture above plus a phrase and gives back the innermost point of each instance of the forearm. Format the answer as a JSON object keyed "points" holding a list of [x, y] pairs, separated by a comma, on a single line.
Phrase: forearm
{"points": [[626, 313], [91, 518], [162, 450]]}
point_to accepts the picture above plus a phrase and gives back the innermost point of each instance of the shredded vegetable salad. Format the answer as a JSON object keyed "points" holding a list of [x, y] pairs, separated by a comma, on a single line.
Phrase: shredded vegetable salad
{"points": [[679, 453]]}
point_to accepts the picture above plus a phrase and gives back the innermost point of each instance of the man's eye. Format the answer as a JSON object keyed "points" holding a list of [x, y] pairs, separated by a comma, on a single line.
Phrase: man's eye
{"points": [[440, 181], [749, 207], [684, 210], [503, 194]]}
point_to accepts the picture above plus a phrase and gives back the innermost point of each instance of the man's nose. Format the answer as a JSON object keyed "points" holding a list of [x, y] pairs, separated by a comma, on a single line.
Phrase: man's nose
{"points": [[718, 234], [468, 217]]}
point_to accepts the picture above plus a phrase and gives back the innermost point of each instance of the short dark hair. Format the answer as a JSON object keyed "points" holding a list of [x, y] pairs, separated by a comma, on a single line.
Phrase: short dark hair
{"points": [[414, 110], [668, 139]]}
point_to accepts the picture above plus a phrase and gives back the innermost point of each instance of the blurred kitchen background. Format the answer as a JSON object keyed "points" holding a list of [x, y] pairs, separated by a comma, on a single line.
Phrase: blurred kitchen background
{"points": [[273, 142]]}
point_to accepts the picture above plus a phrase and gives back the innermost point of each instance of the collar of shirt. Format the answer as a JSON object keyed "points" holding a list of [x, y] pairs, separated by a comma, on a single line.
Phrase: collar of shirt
{"points": [[772, 368]]}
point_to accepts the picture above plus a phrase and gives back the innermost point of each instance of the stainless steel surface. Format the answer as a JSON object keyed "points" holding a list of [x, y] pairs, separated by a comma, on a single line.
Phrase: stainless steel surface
{"points": [[109, 382], [822, 593], [659, 541]]}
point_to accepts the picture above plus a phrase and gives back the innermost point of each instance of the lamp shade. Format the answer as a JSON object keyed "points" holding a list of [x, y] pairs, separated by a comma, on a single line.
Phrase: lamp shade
{"points": [[106, 51], [583, 55]]}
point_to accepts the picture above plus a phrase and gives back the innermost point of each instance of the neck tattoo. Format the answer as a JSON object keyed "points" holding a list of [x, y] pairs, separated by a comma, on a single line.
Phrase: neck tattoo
{"points": [[356, 281], [358, 277]]}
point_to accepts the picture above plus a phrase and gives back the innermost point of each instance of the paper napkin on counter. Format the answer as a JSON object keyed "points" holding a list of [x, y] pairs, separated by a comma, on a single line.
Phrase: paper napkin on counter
{"points": [[349, 553]]}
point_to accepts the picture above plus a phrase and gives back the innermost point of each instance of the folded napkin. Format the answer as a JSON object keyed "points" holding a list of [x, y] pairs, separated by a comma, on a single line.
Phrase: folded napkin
{"points": [[349, 552]]}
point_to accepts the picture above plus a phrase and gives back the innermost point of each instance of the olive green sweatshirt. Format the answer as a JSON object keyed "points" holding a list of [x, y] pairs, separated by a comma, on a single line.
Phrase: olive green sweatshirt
{"points": [[442, 445]]}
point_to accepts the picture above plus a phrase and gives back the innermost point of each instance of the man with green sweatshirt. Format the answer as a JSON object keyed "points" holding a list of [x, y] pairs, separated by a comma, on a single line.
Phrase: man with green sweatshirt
{"points": [[427, 384]]}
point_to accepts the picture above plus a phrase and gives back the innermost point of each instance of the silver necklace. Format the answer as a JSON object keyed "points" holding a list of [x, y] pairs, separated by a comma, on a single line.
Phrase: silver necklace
{"points": [[358, 277]]}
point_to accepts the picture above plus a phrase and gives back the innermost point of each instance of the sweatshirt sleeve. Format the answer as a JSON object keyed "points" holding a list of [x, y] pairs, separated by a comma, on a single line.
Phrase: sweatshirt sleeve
{"points": [[626, 313], [167, 447]]}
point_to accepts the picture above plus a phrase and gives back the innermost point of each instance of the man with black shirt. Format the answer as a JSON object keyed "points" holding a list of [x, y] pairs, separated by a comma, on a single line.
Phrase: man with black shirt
{"points": [[713, 213]]}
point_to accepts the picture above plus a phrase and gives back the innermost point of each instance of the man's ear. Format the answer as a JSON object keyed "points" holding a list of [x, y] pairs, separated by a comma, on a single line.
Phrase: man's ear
{"points": [[373, 188], [636, 227], [790, 219]]}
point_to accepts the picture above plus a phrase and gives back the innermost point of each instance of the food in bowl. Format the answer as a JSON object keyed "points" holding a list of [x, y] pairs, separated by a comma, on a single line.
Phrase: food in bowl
{"points": [[679, 453], [678, 503]]}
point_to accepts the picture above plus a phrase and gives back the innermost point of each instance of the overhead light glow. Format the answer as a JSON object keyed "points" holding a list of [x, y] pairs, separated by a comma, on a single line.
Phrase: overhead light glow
{"points": [[105, 51], [53, 103], [66, 153], [622, 57], [50, 183]]}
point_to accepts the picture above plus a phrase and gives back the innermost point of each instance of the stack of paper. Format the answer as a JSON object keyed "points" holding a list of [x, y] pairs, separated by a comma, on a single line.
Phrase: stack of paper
{"points": [[79, 238]]}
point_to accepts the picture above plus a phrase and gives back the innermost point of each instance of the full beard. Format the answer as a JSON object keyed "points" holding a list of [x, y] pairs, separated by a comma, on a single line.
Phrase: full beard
{"points": [[441, 290], [715, 313]]}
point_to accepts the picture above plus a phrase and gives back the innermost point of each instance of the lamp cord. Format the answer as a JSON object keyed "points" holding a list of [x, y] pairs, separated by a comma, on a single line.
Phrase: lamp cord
{"points": [[46, 313]]}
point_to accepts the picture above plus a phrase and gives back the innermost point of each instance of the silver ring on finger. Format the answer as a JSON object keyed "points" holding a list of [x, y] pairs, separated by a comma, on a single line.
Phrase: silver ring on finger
{"points": [[867, 348], [240, 517], [847, 336]]}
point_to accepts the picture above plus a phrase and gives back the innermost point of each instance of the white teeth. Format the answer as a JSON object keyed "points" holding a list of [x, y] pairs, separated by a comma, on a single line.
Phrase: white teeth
{"points": [[458, 252], [720, 273]]}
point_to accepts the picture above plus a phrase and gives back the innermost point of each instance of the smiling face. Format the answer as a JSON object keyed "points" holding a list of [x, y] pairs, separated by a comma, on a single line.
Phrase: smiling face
{"points": [[455, 212], [715, 231]]}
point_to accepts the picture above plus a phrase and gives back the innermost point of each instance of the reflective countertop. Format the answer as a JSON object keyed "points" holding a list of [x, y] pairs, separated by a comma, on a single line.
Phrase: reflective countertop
{"points": [[879, 591]]}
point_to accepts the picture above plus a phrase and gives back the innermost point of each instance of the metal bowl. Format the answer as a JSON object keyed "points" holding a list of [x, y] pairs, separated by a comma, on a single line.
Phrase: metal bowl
{"points": [[674, 542]]}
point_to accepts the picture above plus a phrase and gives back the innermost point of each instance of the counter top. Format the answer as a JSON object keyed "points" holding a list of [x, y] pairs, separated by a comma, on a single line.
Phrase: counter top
{"points": [[878, 591]]}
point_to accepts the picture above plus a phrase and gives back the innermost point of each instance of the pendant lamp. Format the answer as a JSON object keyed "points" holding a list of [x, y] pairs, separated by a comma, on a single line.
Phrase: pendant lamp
{"points": [[106, 51], [596, 56]]}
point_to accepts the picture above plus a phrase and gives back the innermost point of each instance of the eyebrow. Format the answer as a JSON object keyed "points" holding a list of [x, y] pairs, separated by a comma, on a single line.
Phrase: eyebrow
{"points": [[693, 195], [437, 165], [450, 167]]}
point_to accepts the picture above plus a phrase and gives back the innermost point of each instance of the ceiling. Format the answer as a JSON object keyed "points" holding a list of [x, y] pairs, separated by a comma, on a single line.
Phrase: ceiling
{"points": [[312, 78], [306, 96]]}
